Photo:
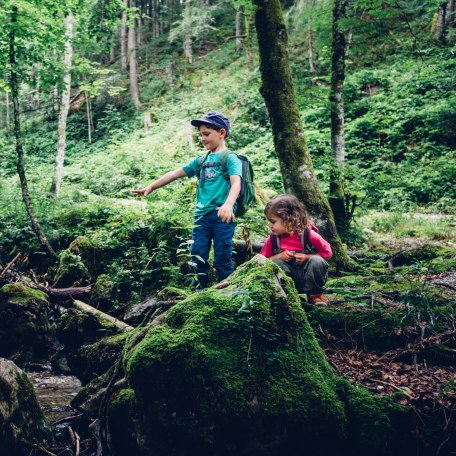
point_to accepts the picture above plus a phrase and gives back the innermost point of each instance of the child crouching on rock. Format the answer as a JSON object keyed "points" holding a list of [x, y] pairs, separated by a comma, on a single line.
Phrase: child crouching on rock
{"points": [[295, 245]]}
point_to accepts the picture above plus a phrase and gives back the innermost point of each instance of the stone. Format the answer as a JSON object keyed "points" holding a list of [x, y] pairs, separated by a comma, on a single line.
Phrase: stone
{"points": [[25, 331], [22, 423]]}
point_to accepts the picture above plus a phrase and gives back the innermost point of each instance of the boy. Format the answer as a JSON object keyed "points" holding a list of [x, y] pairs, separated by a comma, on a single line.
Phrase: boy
{"points": [[215, 199]]}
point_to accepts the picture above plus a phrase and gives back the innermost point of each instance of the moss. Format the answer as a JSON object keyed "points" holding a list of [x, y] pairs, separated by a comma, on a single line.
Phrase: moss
{"points": [[245, 353], [102, 296], [21, 294], [172, 293], [71, 271], [376, 425]]}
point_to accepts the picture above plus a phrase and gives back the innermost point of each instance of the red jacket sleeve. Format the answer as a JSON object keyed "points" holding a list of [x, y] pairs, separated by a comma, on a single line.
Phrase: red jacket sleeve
{"points": [[267, 248], [322, 247]]}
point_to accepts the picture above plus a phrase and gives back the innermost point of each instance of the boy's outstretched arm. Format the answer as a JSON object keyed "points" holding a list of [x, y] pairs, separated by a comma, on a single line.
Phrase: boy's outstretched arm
{"points": [[226, 210], [161, 182]]}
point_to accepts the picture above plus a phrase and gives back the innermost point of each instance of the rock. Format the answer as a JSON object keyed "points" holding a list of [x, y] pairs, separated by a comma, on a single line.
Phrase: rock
{"points": [[25, 331], [22, 423], [137, 312], [77, 264], [102, 296], [238, 371], [87, 350]]}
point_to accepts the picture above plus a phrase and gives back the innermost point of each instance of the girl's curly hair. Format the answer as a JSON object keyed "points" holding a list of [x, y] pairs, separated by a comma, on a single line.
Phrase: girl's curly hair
{"points": [[290, 211]]}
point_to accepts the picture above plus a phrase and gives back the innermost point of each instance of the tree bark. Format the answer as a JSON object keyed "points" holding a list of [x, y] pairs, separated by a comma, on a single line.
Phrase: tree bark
{"points": [[89, 117], [64, 107], [289, 140], [20, 152], [134, 88], [248, 40], [449, 20], [336, 99], [310, 50], [7, 103], [440, 26], [239, 28], [123, 38]]}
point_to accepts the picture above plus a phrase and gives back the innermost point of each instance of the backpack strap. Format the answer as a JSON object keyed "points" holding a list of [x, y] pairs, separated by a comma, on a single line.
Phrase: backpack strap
{"points": [[201, 176], [275, 244], [305, 240], [223, 160]]}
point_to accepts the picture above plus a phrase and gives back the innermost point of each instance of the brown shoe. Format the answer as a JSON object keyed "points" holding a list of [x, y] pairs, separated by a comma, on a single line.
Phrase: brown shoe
{"points": [[317, 299]]}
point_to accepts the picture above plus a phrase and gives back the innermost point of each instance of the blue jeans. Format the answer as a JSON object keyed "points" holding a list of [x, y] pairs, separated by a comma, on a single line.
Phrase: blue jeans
{"points": [[208, 228]]}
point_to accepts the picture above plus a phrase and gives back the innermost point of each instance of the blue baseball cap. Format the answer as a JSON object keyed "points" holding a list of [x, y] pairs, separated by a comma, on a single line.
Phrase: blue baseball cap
{"points": [[213, 118]]}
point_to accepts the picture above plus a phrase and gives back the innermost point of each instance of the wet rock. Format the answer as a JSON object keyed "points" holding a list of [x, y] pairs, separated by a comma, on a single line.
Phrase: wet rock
{"points": [[137, 312], [22, 423], [25, 331]]}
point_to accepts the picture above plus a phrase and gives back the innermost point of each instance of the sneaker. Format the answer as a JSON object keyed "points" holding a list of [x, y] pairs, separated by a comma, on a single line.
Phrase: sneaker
{"points": [[317, 299]]}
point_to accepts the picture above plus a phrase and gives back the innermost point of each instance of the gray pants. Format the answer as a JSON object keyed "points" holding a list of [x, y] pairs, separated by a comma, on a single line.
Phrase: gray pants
{"points": [[309, 277]]}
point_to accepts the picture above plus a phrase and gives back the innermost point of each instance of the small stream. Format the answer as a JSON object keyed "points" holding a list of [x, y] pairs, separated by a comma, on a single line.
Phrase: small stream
{"points": [[54, 393]]}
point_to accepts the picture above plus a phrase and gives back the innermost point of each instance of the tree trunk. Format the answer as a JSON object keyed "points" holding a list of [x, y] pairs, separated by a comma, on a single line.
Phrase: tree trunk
{"points": [[289, 140], [449, 20], [440, 31], [239, 28], [248, 41], [20, 152], [123, 38], [310, 50], [7, 103], [336, 99], [134, 89], [89, 116], [64, 107]]}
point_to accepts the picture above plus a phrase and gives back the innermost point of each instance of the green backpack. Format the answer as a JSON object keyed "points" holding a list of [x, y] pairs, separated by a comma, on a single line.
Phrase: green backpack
{"points": [[246, 196]]}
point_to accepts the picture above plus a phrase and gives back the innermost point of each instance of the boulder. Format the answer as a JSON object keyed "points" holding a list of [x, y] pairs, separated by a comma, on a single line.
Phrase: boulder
{"points": [[102, 296], [137, 312], [22, 423], [77, 264], [25, 331], [236, 370]]}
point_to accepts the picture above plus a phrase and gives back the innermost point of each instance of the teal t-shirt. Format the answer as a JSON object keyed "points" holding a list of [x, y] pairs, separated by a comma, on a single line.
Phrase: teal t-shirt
{"points": [[216, 187]]}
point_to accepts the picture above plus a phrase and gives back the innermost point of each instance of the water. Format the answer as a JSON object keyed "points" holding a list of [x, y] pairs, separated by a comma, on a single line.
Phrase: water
{"points": [[54, 393]]}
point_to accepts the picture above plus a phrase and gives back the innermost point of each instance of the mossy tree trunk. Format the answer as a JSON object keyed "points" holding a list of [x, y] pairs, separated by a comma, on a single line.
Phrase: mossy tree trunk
{"points": [[290, 143], [337, 197], [17, 129]]}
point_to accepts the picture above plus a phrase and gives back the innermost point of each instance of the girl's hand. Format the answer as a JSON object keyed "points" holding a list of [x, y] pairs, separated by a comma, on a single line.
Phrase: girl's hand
{"points": [[301, 258], [142, 192], [287, 255]]}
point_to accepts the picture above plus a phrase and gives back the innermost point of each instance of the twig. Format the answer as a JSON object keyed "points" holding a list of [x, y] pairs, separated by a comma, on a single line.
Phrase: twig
{"points": [[10, 264], [398, 388], [78, 443], [42, 449], [68, 418]]}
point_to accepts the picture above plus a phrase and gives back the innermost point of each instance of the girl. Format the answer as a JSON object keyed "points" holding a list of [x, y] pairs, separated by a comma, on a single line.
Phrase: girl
{"points": [[295, 245]]}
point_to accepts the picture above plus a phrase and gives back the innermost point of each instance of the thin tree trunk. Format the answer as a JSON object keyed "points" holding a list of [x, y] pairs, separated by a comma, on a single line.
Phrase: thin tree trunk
{"points": [[20, 152], [133, 64], [336, 99], [310, 50], [188, 49], [239, 27], [289, 140], [248, 41], [123, 38], [64, 107], [449, 20], [440, 31], [89, 117], [7, 103]]}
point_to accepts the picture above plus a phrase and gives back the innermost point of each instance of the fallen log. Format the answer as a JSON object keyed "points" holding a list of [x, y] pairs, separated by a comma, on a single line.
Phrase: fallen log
{"points": [[63, 293], [83, 307]]}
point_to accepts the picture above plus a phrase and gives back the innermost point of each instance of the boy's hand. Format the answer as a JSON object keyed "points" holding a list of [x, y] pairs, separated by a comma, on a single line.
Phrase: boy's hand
{"points": [[226, 213], [301, 258], [143, 192]]}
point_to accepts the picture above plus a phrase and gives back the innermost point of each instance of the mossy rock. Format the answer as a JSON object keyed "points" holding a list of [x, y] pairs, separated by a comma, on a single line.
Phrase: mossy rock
{"points": [[426, 252], [102, 296], [238, 371], [90, 361], [77, 264], [25, 331], [22, 423]]}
